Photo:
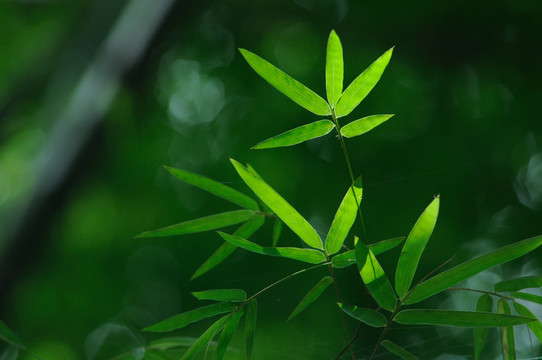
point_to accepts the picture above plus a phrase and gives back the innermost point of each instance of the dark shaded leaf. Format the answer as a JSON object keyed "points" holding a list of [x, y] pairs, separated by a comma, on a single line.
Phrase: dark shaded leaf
{"points": [[234, 295], [348, 258], [535, 326], [277, 230], [521, 283], [367, 316], [485, 304], [205, 338], [311, 296], [528, 297], [227, 334], [250, 327], [458, 318], [507, 333], [397, 350]]}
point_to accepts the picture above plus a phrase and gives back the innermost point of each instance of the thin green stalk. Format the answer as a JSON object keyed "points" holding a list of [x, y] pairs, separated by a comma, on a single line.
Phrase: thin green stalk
{"points": [[483, 292]]}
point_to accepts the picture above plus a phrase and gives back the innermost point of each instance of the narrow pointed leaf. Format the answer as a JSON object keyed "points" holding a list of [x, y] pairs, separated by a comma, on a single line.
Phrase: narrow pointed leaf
{"points": [[363, 125], [227, 334], [172, 343], [414, 246], [9, 336], [226, 249], [211, 222], [298, 135], [461, 272], [485, 304], [205, 338], [311, 296], [348, 258], [385, 245], [535, 326], [362, 85], [374, 277], [507, 333], [181, 320], [397, 350], [277, 230], [334, 68], [521, 283], [458, 318], [214, 188], [234, 295], [250, 327], [528, 297], [287, 85], [280, 207], [344, 218], [307, 255], [367, 316]]}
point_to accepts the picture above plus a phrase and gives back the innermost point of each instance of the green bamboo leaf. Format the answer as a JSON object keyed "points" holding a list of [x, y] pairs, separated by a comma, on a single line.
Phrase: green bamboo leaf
{"points": [[227, 334], [226, 249], [521, 283], [374, 277], [172, 343], [344, 218], [287, 85], [277, 230], [206, 223], [535, 326], [307, 255], [528, 297], [485, 304], [334, 68], [348, 258], [414, 246], [214, 188], [205, 338], [233, 295], [367, 316], [397, 350], [298, 135], [311, 296], [363, 125], [344, 259], [385, 245], [250, 327], [280, 207], [181, 320], [458, 318], [507, 333], [461, 272], [9, 336], [362, 85]]}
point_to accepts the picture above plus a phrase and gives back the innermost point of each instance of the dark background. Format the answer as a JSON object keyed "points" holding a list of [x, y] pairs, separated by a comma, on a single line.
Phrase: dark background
{"points": [[96, 96]]}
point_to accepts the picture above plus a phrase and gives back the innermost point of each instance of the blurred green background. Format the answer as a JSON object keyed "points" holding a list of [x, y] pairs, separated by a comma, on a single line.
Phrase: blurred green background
{"points": [[96, 96]]}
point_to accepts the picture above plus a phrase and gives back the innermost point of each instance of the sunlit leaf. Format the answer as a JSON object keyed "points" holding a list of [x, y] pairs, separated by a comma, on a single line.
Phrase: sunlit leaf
{"points": [[227, 334], [306, 255], [485, 304], [181, 320], [528, 297], [205, 338], [397, 350], [277, 230], [9, 336], [214, 188], [206, 223], [414, 246], [311, 296], [334, 68], [507, 333], [344, 218], [363, 125], [226, 249], [298, 135], [521, 283], [458, 318], [367, 316], [280, 207], [348, 258], [461, 272], [374, 277], [287, 85], [362, 85], [250, 327], [234, 295], [535, 326]]}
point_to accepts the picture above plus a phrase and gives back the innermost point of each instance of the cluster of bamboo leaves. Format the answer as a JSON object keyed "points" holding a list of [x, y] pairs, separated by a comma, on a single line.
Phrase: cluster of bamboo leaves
{"points": [[331, 252]]}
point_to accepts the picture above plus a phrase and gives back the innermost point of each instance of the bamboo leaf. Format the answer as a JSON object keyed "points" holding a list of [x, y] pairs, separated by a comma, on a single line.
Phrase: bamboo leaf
{"points": [[472, 267], [280, 207], [374, 277], [214, 188], [458, 318], [362, 85], [287, 85], [334, 68], [397, 350], [181, 320], [9, 336], [250, 327], [172, 343], [414, 246], [348, 258], [485, 304], [344, 218], [226, 249], [507, 333], [311, 296], [307, 255], [528, 297], [233, 295], [205, 338], [385, 245], [535, 326], [206, 223], [521, 283], [367, 316], [227, 334], [298, 135], [363, 125], [277, 230]]}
